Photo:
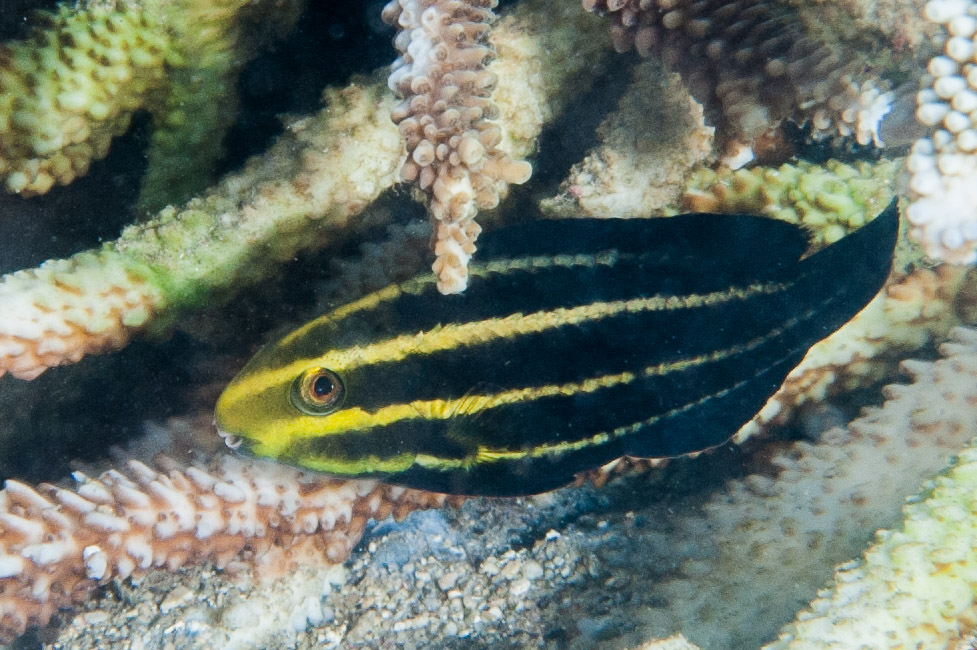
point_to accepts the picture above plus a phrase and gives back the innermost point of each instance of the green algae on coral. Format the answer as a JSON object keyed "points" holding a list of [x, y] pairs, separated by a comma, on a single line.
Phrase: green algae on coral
{"points": [[831, 199]]}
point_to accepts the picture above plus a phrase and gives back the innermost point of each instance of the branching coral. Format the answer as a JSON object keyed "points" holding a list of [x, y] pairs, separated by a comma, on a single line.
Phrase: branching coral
{"points": [[67, 91], [454, 145], [766, 542], [751, 59], [304, 190], [648, 147], [56, 544], [155, 271], [944, 165], [831, 199], [916, 586], [329, 166], [214, 38]]}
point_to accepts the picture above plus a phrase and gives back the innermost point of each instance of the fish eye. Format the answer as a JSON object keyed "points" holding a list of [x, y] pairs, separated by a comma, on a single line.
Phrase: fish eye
{"points": [[318, 391]]}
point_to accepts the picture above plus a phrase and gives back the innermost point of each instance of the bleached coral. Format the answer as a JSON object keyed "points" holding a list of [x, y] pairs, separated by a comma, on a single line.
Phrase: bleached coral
{"points": [[447, 119], [647, 149], [910, 313]]}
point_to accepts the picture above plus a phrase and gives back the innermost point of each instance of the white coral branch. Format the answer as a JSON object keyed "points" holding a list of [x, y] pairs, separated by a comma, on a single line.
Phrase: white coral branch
{"points": [[943, 165], [915, 587], [57, 543]]}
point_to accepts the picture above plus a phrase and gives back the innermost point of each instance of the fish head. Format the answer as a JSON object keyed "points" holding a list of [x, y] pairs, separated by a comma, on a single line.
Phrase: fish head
{"points": [[299, 402]]}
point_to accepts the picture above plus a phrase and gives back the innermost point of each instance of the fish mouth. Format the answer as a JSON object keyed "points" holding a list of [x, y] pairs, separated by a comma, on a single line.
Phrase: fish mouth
{"points": [[232, 440]]}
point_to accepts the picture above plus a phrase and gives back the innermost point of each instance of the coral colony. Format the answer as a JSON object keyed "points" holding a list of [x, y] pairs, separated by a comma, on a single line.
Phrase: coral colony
{"points": [[458, 118]]}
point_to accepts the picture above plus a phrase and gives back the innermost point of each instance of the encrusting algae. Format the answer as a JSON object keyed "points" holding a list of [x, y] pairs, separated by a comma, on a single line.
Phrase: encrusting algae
{"points": [[313, 185]]}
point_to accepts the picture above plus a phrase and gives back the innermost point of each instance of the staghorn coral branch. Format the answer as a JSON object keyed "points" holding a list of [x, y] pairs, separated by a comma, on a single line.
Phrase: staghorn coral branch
{"points": [[173, 287], [916, 586], [773, 533], [56, 544], [67, 91], [324, 171], [448, 122], [215, 39], [752, 61], [151, 275], [629, 176]]}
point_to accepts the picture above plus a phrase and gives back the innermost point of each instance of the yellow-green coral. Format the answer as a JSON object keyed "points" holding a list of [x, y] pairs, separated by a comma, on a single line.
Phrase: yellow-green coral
{"points": [[323, 172], [75, 84], [214, 39], [831, 199], [68, 90]]}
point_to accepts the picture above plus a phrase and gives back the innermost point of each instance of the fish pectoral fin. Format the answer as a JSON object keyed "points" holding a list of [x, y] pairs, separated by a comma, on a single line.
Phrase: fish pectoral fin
{"points": [[473, 413], [476, 402]]}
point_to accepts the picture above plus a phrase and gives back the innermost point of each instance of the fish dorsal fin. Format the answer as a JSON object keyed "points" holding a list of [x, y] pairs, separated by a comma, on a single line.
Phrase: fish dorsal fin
{"points": [[702, 235]]}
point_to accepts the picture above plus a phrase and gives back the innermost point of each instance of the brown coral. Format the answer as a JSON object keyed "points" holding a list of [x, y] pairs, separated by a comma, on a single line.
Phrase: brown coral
{"points": [[446, 118], [751, 59]]}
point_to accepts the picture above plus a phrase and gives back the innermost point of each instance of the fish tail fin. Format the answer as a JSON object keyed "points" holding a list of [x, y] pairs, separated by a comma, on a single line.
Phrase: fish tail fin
{"points": [[863, 258]]}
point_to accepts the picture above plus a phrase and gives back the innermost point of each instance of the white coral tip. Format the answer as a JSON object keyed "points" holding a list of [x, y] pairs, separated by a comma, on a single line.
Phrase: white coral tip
{"points": [[942, 11]]}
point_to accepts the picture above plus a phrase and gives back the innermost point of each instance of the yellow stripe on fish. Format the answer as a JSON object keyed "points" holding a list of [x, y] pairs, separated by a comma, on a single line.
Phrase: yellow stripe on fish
{"points": [[458, 335], [577, 342]]}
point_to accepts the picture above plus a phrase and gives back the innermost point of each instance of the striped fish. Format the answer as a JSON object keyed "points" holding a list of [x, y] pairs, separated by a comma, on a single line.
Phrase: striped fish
{"points": [[577, 342]]}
